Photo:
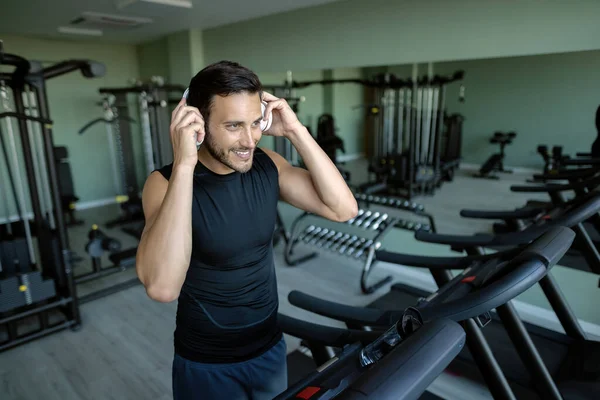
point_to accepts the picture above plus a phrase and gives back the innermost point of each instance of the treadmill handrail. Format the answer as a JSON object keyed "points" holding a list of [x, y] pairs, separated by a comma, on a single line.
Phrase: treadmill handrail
{"points": [[468, 306], [489, 297], [403, 373], [324, 335], [429, 262], [571, 217], [410, 368], [555, 187], [531, 265], [581, 161], [343, 312], [510, 214], [581, 173]]}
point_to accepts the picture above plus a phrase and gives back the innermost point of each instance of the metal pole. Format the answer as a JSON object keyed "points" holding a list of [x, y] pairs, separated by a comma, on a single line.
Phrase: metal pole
{"points": [[61, 229]]}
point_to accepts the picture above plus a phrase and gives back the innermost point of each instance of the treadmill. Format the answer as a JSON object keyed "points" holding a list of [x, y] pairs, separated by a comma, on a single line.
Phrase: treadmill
{"points": [[533, 359], [489, 282], [584, 255]]}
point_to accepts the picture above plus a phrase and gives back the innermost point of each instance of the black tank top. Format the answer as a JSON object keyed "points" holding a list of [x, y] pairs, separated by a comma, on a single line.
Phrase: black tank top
{"points": [[227, 308]]}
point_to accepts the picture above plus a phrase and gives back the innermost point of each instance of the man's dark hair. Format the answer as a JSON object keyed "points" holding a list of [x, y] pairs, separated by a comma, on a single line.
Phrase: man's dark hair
{"points": [[222, 78]]}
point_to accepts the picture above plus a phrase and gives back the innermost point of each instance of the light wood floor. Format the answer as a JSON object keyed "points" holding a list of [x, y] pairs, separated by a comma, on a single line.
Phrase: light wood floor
{"points": [[124, 348]]}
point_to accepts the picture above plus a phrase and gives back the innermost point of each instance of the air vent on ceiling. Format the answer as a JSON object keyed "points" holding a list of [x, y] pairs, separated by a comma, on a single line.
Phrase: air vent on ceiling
{"points": [[98, 21], [173, 3]]}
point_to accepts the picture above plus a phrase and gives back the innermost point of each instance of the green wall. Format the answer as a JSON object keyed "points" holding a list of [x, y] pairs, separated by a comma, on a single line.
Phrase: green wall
{"points": [[154, 59], [348, 111], [73, 102], [549, 99], [359, 33]]}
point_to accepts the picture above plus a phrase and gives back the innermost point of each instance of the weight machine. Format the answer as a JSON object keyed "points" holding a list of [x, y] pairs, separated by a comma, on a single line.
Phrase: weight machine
{"points": [[36, 276], [154, 120], [414, 144]]}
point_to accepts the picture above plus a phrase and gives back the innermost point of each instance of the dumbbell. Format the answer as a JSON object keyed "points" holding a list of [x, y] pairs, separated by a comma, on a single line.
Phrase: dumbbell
{"points": [[324, 239], [363, 218], [330, 240], [379, 221], [337, 239], [318, 236], [361, 196], [359, 214], [347, 244], [371, 219], [312, 234], [307, 231], [355, 246], [363, 248], [339, 244]]}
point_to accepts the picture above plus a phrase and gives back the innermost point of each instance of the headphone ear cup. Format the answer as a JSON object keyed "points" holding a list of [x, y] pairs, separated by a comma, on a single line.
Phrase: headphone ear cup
{"points": [[264, 125]]}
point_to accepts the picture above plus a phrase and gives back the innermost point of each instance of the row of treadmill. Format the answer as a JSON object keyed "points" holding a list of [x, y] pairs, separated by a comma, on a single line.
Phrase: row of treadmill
{"points": [[397, 346]]}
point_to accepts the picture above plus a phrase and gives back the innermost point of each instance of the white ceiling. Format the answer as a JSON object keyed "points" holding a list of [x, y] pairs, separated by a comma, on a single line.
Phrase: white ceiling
{"points": [[43, 17]]}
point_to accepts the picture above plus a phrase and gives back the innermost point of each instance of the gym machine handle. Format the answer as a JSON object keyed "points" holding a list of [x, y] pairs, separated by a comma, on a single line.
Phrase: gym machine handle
{"points": [[581, 173], [524, 271], [515, 214], [549, 248], [429, 262], [552, 187], [410, 368], [581, 161], [324, 335], [343, 312], [458, 240], [403, 373], [22, 66], [89, 69], [575, 215], [108, 121]]}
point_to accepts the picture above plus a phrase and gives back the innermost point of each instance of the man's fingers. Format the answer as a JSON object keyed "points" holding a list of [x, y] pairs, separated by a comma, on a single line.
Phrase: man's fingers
{"points": [[196, 127], [279, 104], [190, 118], [269, 97], [184, 113]]}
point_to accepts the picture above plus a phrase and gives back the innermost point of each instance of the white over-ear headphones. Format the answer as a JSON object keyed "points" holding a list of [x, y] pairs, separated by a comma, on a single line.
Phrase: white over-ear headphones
{"points": [[264, 125]]}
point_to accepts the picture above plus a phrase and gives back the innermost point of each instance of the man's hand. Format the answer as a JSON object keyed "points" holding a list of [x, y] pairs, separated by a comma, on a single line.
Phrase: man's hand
{"points": [[187, 129], [285, 120]]}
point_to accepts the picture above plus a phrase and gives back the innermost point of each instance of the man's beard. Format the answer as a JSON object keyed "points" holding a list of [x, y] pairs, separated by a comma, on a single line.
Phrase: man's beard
{"points": [[223, 156]]}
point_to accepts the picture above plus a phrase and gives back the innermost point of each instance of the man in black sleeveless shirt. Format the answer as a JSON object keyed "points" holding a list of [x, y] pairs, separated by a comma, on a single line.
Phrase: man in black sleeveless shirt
{"points": [[210, 218]]}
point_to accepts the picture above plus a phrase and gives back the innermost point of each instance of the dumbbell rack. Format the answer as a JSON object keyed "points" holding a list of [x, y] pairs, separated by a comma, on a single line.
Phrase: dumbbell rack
{"points": [[357, 238], [399, 204]]}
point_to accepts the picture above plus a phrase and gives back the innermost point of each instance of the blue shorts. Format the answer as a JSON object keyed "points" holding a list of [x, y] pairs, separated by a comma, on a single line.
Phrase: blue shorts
{"points": [[261, 378]]}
